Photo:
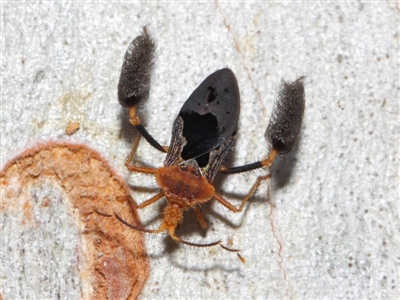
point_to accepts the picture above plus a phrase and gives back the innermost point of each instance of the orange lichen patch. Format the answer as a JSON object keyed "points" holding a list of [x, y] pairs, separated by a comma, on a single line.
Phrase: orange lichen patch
{"points": [[72, 127], [113, 259]]}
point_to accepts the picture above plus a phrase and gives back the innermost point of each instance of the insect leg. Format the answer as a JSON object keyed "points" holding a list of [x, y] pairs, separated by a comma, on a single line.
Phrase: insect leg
{"points": [[134, 81], [135, 121], [199, 217], [233, 208], [139, 169], [283, 126], [151, 200], [249, 167], [133, 151]]}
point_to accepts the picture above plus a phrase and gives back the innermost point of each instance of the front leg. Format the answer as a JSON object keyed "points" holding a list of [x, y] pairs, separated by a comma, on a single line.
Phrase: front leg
{"points": [[139, 169]]}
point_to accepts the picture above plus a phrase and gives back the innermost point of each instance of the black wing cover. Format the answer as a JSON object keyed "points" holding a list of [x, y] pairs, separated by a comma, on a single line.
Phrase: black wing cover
{"points": [[210, 115]]}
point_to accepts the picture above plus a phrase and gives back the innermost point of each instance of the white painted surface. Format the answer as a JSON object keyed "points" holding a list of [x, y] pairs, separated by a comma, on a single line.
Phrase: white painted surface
{"points": [[336, 209]]}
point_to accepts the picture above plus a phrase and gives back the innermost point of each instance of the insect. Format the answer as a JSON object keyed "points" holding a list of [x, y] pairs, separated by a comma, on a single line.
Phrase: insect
{"points": [[204, 132]]}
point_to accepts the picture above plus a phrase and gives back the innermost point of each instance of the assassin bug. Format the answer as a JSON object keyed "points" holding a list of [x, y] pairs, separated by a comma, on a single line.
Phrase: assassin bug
{"points": [[204, 132]]}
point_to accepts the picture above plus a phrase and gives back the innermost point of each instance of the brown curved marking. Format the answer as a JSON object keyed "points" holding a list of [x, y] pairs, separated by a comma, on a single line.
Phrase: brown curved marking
{"points": [[90, 186]]}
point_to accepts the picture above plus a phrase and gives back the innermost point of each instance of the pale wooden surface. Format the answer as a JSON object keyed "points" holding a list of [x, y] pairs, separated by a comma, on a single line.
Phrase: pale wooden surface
{"points": [[336, 211]]}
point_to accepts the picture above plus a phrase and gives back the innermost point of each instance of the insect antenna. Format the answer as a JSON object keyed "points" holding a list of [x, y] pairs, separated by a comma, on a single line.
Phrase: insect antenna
{"points": [[234, 250], [178, 239], [137, 227]]}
